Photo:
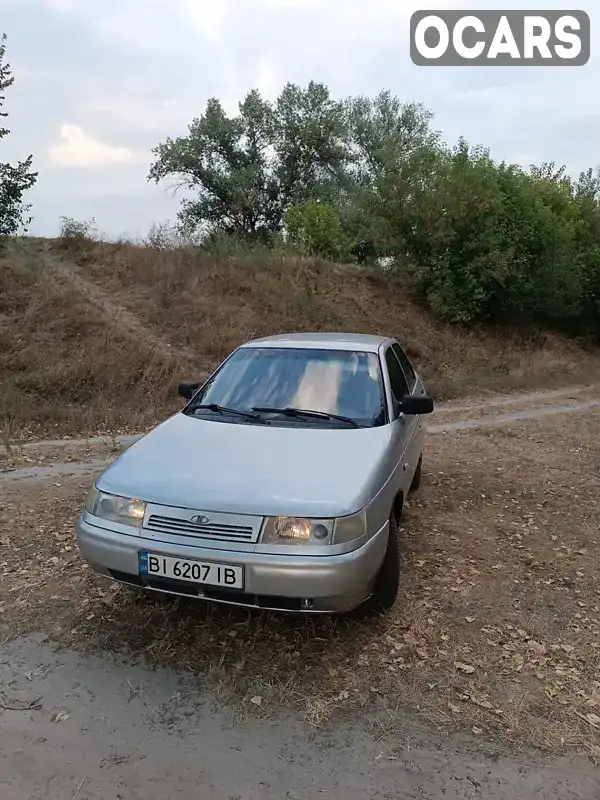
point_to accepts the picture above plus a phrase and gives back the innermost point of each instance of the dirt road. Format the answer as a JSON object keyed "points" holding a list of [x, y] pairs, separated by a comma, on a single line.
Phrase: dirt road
{"points": [[81, 727], [132, 733]]}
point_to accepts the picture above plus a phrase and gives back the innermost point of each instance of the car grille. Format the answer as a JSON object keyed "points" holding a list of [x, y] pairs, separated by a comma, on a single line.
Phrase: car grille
{"points": [[182, 527]]}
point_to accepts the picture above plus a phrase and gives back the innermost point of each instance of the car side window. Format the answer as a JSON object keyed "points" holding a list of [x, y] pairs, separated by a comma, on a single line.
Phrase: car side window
{"points": [[406, 366], [397, 379]]}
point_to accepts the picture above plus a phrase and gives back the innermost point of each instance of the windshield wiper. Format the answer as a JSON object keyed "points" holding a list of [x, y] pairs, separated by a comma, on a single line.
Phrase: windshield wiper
{"points": [[226, 410], [301, 412]]}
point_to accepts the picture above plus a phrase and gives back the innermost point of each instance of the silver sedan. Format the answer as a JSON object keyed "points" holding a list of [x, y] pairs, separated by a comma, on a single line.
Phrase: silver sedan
{"points": [[279, 485]]}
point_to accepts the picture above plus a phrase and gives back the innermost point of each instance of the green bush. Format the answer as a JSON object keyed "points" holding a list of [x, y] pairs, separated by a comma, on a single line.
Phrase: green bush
{"points": [[315, 228], [492, 242]]}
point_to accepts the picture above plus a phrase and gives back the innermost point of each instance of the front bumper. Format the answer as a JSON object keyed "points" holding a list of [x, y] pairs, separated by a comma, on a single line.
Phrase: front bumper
{"points": [[329, 584]]}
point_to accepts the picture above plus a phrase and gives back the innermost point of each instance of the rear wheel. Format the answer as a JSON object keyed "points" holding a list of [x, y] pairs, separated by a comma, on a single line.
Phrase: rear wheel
{"points": [[418, 476], [387, 583]]}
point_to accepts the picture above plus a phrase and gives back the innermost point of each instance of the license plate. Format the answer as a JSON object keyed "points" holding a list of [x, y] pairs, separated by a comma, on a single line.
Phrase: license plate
{"points": [[227, 576]]}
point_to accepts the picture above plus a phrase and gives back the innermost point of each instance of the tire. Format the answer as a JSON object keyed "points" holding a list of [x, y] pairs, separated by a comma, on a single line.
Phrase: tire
{"points": [[418, 476], [387, 583]]}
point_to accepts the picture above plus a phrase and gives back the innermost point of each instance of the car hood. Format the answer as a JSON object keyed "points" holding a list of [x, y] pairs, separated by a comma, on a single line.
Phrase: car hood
{"points": [[251, 469]]}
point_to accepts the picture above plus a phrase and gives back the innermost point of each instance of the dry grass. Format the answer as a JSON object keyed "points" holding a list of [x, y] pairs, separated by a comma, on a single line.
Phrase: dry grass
{"points": [[210, 306], [497, 629], [63, 368], [94, 338]]}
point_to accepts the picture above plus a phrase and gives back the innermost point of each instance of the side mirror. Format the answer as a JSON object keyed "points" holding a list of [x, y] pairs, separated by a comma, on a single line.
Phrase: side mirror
{"points": [[414, 405], [188, 389]]}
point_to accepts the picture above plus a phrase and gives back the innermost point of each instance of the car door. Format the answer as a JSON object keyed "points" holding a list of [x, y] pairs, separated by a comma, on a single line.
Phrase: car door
{"points": [[417, 423], [408, 427], [400, 424]]}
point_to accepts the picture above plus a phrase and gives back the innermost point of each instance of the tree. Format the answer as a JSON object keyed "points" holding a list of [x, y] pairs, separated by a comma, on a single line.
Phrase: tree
{"points": [[587, 197], [244, 171], [314, 228], [491, 242], [392, 147], [14, 180], [479, 241], [386, 133]]}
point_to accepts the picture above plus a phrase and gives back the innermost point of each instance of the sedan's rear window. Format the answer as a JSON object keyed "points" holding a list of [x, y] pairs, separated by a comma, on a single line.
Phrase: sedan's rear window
{"points": [[341, 382]]}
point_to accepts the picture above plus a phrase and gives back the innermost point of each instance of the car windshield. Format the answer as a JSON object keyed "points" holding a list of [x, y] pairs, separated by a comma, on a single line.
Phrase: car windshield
{"points": [[337, 382]]}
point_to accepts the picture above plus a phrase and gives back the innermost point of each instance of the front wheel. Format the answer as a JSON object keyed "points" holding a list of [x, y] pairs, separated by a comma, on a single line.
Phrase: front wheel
{"points": [[387, 583]]}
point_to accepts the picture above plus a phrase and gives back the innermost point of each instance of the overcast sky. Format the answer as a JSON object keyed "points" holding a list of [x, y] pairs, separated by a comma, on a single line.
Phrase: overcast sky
{"points": [[98, 83]]}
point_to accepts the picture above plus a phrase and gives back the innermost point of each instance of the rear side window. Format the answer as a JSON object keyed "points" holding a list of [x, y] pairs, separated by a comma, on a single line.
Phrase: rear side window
{"points": [[397, 379], [406, 366]]}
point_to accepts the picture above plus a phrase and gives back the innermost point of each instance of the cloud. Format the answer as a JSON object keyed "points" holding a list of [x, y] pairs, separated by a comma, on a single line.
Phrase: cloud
{"points": [[60, 5], [269, 79], [207, 17], [296, 3], [142, 23], [136, 113], [78, 149]]}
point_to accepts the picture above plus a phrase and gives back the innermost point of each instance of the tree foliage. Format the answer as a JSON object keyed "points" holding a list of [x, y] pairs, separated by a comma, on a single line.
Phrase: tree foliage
{"points": [[493, 242], [363, 178], [248, 169], [315, 228], [14, 180]]}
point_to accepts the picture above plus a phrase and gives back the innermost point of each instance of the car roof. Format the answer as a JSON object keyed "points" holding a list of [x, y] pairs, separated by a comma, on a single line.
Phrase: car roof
{"points": [[362, 342]]}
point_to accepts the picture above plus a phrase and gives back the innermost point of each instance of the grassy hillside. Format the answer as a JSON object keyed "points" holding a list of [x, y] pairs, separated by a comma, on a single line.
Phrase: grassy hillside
{"points": [[94, 337]]}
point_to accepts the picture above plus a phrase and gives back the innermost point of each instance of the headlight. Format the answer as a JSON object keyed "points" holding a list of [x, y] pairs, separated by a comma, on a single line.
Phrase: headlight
{"points": [[112, 507], [296, 530], [347, 529]]}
